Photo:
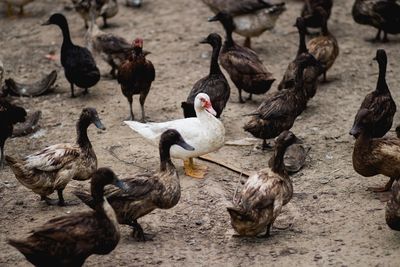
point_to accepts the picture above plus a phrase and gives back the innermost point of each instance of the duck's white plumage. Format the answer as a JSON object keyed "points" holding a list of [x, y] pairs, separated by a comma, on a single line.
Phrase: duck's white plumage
{"points": [[204, 132]]}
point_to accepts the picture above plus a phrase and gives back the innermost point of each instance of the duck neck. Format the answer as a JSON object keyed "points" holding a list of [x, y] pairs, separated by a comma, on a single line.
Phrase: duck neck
{"points": [[229, 30], [276, 161], [214, 67], [66, 35], [98, 197], [382, 85], [324, 29], [165, 158], [302, 43], [81, 132]]}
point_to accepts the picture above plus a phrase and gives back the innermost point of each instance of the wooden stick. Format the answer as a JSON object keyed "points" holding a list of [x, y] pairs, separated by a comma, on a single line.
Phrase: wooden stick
{"points": [[228, 166]]}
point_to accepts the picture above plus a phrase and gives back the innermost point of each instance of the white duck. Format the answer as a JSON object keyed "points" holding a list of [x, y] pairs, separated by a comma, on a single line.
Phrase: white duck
{"points": [[205, 133]]}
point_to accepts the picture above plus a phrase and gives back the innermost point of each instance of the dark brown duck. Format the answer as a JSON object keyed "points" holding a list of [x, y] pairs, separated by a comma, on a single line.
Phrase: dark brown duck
{"points": [[243, 65], [279, 110], [311, 15], [70, 240], [214, 84], [311, 73], [147, 192], [379, 102]]}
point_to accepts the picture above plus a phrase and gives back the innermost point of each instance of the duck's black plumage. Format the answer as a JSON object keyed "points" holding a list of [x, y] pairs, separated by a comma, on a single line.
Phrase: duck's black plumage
{"points": [[9, 115], [379, 102], [214, 84], [280, 109], [243, 65], [383, 15], [70, 240], [311, 16], [79, 65]]}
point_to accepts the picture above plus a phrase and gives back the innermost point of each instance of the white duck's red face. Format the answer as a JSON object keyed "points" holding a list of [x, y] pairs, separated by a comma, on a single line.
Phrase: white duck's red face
{"points": [[206, 104]]}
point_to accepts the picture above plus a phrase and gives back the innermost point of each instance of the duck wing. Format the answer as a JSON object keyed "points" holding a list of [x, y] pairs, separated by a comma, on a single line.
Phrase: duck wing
{"points": [[139, 187], [53, 157], [275, 106], [79, 59]]}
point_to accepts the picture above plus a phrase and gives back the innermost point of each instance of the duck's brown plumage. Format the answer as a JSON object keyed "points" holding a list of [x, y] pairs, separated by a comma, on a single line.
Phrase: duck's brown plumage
{"points": [[379, 102], [373, 156], [311, 15], [136, 75], [214, 85], [243, 65], [324, 48], [10, 114], [383, 15], [393, 208], [264, 194], [70, 240], [279, 110], [311, 73], [147, 192], [55, 166]]}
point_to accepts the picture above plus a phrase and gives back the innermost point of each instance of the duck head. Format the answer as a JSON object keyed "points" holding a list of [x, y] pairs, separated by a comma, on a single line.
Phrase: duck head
{"points": [[214, 39], [286, 138], [300, 25], [361, 122], [381, 57], [102, 177], [89, 116], [203, 102], [226, 20], [173, 137], [17, 114], [56, 19]]}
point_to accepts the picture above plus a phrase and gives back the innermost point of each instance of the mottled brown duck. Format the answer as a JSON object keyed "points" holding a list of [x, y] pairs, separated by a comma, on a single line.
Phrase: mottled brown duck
{"points": [[260, 202], [52, 168], [160, 190]]}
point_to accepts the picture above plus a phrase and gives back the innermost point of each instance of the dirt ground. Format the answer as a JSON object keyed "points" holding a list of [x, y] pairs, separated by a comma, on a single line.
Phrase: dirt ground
{"points": [[333, 219]]}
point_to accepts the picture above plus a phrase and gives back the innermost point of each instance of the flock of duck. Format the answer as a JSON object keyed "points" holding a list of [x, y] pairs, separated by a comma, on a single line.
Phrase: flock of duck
{"points": [[70, 240]]}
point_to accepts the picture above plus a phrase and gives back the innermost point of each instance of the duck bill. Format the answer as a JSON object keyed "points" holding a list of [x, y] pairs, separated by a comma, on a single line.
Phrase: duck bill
{"points": [[215, 18], [99, 124], [204, 41], [120, 184], [355, 131], [185, 145], [45, 23], [210, 110]]}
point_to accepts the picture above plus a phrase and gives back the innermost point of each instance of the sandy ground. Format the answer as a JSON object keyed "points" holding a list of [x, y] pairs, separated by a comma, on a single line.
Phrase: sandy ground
{"points": [[333, 219]]}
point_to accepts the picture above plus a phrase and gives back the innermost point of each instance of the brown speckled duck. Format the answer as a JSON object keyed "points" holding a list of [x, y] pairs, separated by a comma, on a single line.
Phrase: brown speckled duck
{"points": [[379, 102], [383, 15], [70, 240], [55, 166], [280, 109], [373, 156], [147, 191], [324, 48], [264, 194], [243, 65], [393, 208], [214, 84], [251, 17], [311, 73]]}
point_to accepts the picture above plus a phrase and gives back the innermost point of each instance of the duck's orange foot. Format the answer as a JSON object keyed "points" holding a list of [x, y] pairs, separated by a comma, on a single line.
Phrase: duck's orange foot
{"points": [[194, 170]]}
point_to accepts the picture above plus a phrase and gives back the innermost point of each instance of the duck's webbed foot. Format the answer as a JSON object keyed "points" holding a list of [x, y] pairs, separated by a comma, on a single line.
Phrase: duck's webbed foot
{"points": [[386, 188], [139, 234], [49, 201], [268, 232], [194, 170]]}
